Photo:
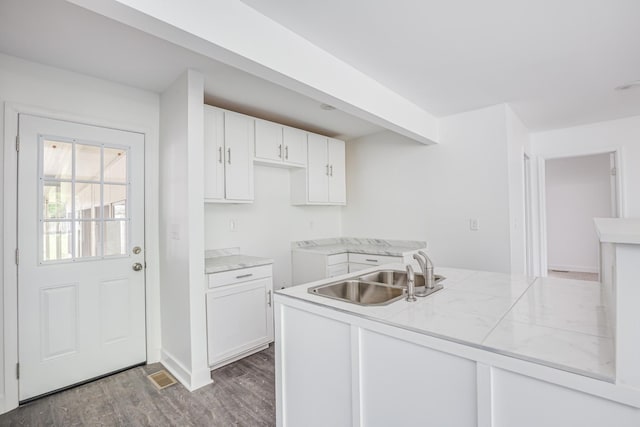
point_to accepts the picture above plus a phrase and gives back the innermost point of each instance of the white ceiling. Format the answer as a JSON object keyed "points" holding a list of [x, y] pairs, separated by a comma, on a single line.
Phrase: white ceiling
{"points": [[556, 62], [63, 35]]}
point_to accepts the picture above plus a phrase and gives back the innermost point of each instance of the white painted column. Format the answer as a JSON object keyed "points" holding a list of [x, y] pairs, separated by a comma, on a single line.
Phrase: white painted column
{"points": [[620, 260]]}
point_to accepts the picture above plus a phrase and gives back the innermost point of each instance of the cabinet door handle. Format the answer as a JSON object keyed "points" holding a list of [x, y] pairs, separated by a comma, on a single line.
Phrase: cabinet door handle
{"points": [[371, 260], [219, 154], [242, 276], [269, 297], [286, 152], [327, 172], [280, 151], [229, 155], [331, 170]]}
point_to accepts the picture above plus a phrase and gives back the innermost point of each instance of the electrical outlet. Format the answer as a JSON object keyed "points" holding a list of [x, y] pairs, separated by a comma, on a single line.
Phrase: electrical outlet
{"points": [[474, 224]]}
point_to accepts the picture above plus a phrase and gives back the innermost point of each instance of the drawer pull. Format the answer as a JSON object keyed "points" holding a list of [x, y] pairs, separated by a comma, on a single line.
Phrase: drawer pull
{"points": [[371, 260], [242, 276]]}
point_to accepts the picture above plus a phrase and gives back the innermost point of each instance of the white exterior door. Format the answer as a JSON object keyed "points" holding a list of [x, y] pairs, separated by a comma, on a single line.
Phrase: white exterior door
{"points": [[81, 292]]}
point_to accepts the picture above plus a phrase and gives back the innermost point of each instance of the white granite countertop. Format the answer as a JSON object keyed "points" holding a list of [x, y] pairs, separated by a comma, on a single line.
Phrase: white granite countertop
{"points": [[560, 323], [231, 259], [618, 230], [358, 245]]}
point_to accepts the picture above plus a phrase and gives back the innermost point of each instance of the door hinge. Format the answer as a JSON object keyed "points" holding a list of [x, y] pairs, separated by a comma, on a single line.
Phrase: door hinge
{"points": [[17, 371], [18, 143], [17, 256], [614, 171]]}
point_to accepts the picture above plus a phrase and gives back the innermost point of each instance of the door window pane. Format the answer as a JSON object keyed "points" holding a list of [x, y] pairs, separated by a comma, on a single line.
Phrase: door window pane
{"points": [[56, 159], [87, 239], [57, 200], [115, 165], [115, 201], [81, 216], [88, 204], [88, 162], [115, 238], [57, 241]]}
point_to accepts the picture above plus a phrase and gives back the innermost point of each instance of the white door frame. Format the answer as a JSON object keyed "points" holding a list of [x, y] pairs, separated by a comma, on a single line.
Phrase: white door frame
{"points": [[542, 196], [10, 398], [528, 214]]}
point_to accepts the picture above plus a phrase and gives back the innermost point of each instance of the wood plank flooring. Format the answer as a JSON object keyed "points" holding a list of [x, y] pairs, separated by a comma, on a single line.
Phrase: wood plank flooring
{"points": [[243, 394]]}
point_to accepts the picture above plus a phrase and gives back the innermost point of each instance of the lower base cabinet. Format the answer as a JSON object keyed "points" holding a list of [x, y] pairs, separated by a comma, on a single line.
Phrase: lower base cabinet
{"points": [[239, 318], [335, 372]]}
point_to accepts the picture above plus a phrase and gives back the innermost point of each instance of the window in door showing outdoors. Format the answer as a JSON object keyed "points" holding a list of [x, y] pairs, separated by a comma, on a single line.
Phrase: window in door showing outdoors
{"points": [[84, 192]]}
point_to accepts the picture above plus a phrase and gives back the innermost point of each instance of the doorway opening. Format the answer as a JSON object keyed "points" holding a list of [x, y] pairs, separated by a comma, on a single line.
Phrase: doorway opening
{"points": [[576, 190]]}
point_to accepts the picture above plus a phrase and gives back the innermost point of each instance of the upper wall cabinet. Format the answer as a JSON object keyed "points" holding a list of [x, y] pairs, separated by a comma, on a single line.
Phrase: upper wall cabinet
{"points": [[280, 145], [323, 182], [228, 156]]}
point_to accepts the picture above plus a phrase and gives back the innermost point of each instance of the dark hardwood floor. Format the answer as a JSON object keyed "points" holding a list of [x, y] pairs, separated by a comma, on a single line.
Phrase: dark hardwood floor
{"points": [[242, 394]]}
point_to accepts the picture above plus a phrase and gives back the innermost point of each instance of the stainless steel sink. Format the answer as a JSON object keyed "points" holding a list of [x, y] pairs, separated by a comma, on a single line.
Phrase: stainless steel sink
{"points": [[359, 292], [396, 278]]}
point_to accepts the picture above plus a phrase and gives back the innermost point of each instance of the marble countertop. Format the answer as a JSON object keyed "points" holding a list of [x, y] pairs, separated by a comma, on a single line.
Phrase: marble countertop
{"points": [[559, 323], [231, 259], [358, 245], [618, 230]]}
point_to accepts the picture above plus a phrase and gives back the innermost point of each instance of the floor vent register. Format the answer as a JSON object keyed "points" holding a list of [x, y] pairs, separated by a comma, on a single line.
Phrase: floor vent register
{"points": [[162, 379]]}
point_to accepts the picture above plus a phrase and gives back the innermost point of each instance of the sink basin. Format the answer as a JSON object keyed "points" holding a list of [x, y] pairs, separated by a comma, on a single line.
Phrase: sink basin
{"points": [[359, 292], [397, 278]]}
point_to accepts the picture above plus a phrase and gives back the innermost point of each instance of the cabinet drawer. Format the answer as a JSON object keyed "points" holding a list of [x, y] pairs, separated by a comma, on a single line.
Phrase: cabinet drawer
{"points": [[337, 259], [337, 270], [237, 276], [373, 259]]}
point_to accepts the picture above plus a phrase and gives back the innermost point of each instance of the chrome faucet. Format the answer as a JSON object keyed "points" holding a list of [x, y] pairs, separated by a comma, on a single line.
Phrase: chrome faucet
{"points": [[427, 270], [411, 284]]}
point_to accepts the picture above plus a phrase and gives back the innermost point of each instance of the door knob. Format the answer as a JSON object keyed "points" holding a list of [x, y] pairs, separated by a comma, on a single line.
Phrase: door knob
{"points": [[137, 266]]}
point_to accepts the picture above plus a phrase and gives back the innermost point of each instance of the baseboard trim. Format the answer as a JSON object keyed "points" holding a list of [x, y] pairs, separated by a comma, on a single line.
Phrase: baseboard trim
{"points": [[574, 268], [190, 380]]}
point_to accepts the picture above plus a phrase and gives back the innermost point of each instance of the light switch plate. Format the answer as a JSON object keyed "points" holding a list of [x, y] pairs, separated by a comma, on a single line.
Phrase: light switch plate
{"points": [[474, 224]]}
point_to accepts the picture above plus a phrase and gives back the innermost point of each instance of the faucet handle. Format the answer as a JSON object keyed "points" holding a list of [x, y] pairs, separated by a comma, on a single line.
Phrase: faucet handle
{"points": [[411, 284]]}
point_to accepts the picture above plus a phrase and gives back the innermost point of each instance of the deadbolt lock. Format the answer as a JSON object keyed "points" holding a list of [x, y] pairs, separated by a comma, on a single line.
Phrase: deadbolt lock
{"points": [[137, 250]]}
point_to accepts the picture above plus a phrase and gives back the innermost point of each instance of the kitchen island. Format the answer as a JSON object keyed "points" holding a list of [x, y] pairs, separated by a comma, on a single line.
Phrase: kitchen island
{"points": [[489, 349]]}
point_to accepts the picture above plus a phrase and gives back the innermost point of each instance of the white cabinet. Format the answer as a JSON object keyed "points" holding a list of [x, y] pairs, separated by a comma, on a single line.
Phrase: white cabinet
{"points": [[324, 180], [315, 387], [280, 145], [309, 266], [239, 313], [228, 156], [359, 262], [295, 146]]}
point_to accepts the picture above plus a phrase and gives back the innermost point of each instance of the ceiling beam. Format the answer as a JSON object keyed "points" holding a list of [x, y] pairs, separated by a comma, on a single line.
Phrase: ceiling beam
{"points": [[231, 32]]}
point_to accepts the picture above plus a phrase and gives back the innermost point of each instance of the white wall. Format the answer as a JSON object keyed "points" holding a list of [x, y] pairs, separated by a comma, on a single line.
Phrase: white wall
{"points": [[403, 190], [269, 225], [69, 95], [184, 337], [578, 189], [623, 134]]}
